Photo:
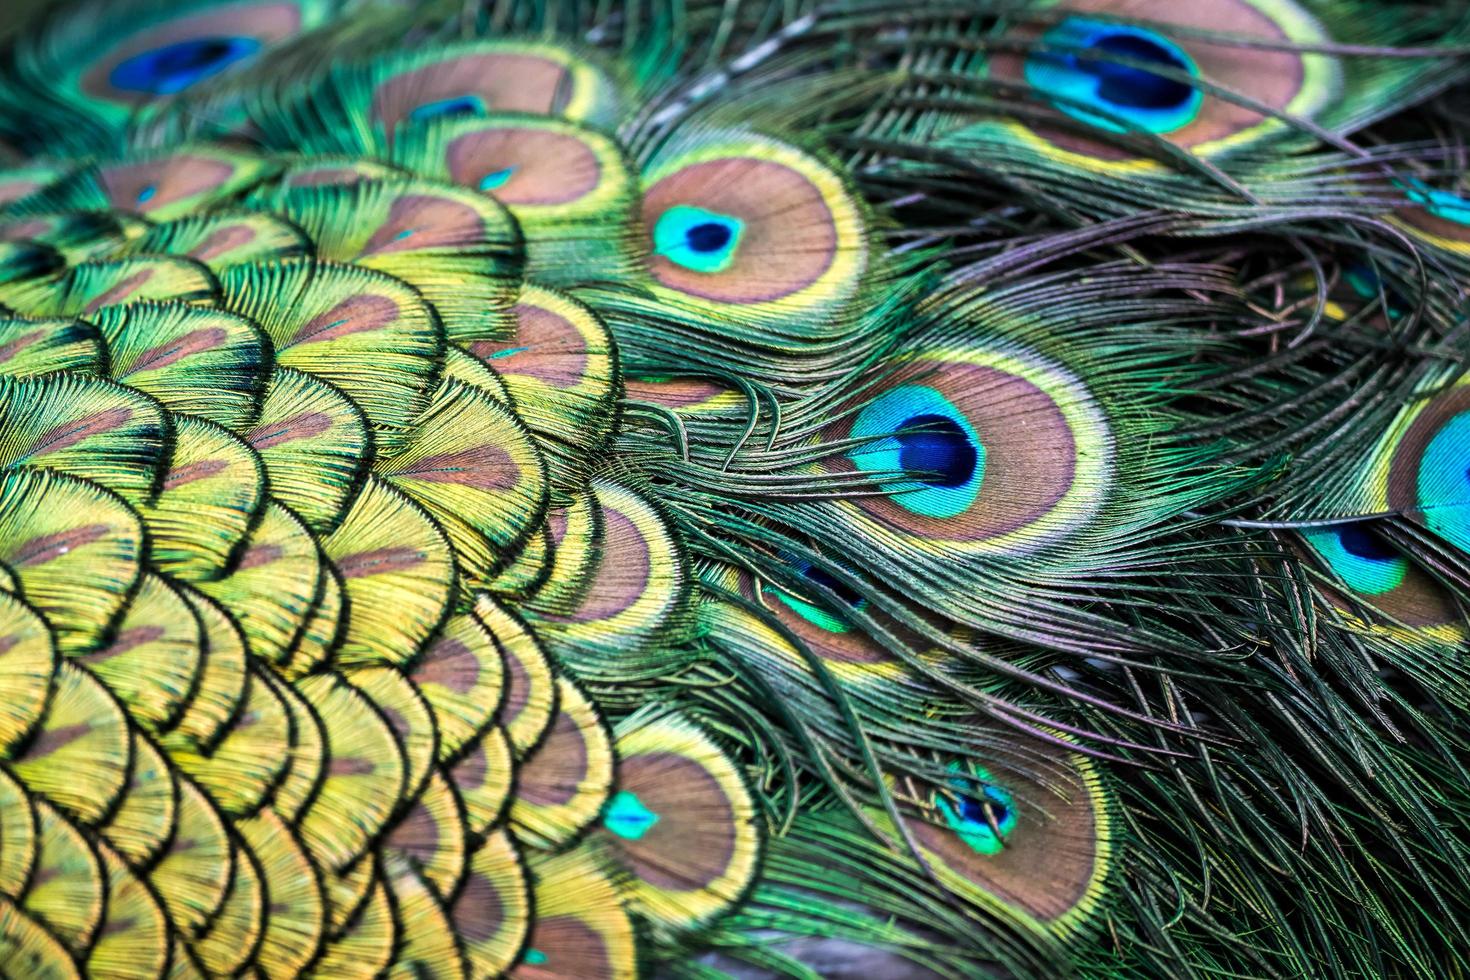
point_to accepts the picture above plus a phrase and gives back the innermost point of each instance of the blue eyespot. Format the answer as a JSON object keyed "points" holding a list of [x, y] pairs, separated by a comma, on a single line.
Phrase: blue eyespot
{"points": [[1363, 560], [919, 432], [995, 801], [459, 105], [496, 178], [1361, 542], [821, 579], [816, 615], [966, 814], [1441, 204], [1444, 481], [1082, 74], [174, 67], [696, 239], [147, 194], [1365, 283], [937, 451], [1362, 280], [628, 817], [709, 236]]}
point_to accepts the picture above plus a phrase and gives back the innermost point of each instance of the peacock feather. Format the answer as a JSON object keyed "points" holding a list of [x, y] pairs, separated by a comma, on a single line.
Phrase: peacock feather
{"points": [[734, 489]]}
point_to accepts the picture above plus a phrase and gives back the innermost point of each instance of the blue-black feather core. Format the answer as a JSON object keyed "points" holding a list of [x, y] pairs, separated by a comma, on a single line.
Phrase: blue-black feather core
{"points": [[1081, 67], [175, 67]]}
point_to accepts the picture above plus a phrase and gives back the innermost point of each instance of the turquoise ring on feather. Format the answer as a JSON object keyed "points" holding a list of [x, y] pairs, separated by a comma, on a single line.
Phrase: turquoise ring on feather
{"points": [[1095, 71], [1363, 560], [171, 50], [450, 106], [919, 432], [1156, 66], [847, 651], [994, 453], [173, 68], [627, 816], [1429, 472], [742, 225], [1439, 217], [1049, 862], [1444, 481], [1380, 576], [981, 812], [699, 240], [1441, 204], [815, 614]]}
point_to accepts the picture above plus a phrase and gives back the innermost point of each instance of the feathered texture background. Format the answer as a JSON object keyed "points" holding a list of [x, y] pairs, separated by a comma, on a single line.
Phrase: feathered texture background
{"points": [[577, 489]]}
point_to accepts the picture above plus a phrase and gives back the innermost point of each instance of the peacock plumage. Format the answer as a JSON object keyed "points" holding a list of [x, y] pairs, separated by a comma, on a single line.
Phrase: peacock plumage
{"points": [[734, 488]]}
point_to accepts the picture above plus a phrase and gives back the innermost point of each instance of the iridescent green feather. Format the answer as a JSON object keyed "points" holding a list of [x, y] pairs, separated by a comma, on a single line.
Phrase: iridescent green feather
{"points": [[731, 488]]}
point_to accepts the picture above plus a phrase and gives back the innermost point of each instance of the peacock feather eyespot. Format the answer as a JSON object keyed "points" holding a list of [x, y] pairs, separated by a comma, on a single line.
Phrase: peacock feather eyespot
{"points": [[1025, 832], [1428, 464], [627, 817], [1077, 65], [179, 182], [816, 615], [699, 240], [996, 452], [172, 68], [1443, 481], [452, 106], [568, 186], [917, 431], [527, 162], [683, 823], [115, 59], [1121, 66], [477, 78], [858, 661], [981, 812], [1441, 203], [813, 614], [747, 226], [495, 178], [1365, 562], [1437, 216], [1414, 606]]}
